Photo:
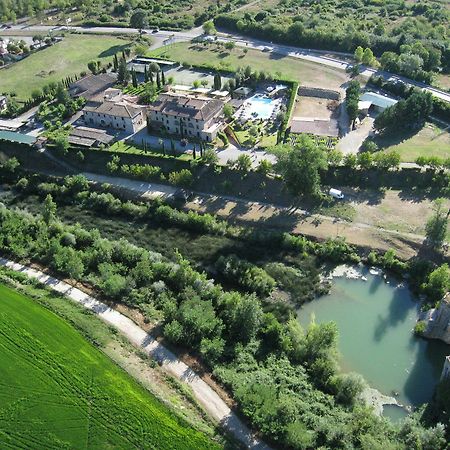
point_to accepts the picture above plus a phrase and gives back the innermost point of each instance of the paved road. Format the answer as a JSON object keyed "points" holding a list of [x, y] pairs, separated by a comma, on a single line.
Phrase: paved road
{"points": [[338, 60], [210, 400], [143, 188]]}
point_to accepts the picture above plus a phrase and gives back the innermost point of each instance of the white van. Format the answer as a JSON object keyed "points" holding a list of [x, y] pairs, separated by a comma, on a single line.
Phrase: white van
{"points": [[336, 193]]}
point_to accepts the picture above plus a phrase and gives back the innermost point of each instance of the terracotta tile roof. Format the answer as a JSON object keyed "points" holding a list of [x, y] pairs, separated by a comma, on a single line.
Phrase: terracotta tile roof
{"points": [[116, 109], [186, 106]]}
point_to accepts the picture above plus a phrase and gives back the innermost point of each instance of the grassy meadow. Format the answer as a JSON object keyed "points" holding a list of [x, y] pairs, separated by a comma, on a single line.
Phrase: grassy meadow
{"points": [[69, 57], [307, 73], [58, 391], [431, 140]]}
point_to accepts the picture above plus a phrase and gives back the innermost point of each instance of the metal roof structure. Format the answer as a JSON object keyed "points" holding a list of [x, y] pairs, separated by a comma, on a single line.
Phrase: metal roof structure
{"points": [[17, 138]]}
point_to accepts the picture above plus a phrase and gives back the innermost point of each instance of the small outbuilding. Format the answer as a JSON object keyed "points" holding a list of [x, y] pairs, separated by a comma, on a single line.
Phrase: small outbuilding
{"points": [[242, 92], [89, 137], [375, 102]]}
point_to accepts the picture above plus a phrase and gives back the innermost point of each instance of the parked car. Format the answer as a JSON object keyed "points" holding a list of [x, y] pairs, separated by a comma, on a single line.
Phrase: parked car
{"points": [[156, 30], [336, 193]]}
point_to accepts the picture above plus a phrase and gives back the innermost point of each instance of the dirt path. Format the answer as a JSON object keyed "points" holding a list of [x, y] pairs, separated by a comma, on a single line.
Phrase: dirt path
{"points": [[317, 226], [210, 400], [367, 235]]}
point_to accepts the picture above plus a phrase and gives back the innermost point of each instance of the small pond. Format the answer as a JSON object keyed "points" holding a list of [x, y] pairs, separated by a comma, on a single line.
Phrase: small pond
{"points": [[375, 320]]}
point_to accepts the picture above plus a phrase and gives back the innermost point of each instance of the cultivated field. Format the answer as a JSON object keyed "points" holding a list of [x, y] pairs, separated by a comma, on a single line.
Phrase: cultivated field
{"points": [[69, 57], [307, 73], [58, 391]]}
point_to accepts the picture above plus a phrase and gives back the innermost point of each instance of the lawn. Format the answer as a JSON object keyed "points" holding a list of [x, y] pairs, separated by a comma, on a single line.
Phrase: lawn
{"points": [[58, 391], [125, 147], [55, 63], [307, 73], [431, 140]]}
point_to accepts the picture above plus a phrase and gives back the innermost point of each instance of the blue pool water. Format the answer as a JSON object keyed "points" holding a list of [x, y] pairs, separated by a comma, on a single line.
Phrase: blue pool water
{"points": [[258, 107]]}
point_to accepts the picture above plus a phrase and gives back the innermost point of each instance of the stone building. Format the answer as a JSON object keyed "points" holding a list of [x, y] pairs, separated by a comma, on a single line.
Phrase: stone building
{"points": [[186, 116], [116, 112]]}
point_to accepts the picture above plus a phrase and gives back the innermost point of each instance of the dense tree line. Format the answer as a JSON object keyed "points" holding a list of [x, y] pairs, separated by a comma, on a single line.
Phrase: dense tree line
{"points": [[406, 114], [352, 94], [414, 45]]}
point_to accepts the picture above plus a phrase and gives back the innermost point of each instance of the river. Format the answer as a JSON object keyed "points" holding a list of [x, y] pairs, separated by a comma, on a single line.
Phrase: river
{"points": [[375, 320]]}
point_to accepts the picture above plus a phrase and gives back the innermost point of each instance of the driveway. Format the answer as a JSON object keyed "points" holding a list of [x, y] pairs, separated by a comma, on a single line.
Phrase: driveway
{"points": [[210, 400], [352, 141]]}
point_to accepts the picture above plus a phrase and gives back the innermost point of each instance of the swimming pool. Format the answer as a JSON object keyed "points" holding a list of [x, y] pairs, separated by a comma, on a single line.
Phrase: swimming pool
{"points": [[258, 107]]}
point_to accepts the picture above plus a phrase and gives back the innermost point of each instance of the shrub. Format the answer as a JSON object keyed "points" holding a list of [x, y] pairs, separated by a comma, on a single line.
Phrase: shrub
{"points": [[182, 178], [420, 328], [247, 275]]}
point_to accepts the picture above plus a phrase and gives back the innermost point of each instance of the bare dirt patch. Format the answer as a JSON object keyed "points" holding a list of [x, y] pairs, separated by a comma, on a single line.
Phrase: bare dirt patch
{"points": [[313, 107], [393, 210]]}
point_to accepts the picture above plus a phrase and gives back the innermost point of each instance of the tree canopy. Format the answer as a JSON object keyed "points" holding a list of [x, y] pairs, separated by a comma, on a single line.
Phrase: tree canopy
{"points": [[406, 114], [300, 165]]}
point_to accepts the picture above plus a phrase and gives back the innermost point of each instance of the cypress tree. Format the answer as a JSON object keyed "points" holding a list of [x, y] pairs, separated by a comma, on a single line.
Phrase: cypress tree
{"points": [[123, 74], [116, 62], [134, 78], [217, 82], [158, 80], [146, 78], [163, 78]]}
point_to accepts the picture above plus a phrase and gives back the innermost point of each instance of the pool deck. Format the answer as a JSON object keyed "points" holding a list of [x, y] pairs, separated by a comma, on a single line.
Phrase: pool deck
{"points": [[259, 107]]}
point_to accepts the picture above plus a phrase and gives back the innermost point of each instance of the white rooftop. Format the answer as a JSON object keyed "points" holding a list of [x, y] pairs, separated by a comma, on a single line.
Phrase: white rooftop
{"points": [[377, 99]]}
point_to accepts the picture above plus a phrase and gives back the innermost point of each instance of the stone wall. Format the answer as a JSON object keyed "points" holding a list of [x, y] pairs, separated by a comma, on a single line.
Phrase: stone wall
{"points": [[318, 92]]}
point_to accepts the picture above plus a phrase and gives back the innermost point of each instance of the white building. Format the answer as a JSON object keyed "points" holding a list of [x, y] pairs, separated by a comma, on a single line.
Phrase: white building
{"points": [[375, 101], [187, 116], [115, 112]]}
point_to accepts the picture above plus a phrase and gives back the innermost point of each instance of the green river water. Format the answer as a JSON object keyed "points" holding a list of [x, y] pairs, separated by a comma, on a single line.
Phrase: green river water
{"points": [[375, 321]]}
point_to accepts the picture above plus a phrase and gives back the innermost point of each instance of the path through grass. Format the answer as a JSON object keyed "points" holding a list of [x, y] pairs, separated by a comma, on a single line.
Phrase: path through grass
{"points": [[58, 391]]}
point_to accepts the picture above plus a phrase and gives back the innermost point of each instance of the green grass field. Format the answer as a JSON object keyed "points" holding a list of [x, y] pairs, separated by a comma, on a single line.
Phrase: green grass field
{"points": [[305, 72], [58, 391], [431, 140], [55, 63], [124, 147]]}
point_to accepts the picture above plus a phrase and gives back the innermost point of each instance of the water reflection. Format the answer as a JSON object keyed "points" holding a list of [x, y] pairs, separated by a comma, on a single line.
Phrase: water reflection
{"points": [[375, 321]]}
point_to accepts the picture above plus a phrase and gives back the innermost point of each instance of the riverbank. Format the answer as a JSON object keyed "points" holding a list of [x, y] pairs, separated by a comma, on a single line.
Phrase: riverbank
{"points": [[376, 315]]}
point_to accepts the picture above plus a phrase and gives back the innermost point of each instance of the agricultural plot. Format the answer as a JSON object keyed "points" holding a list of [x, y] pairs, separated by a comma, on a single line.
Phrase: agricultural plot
{"points": [[58, 391]]}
